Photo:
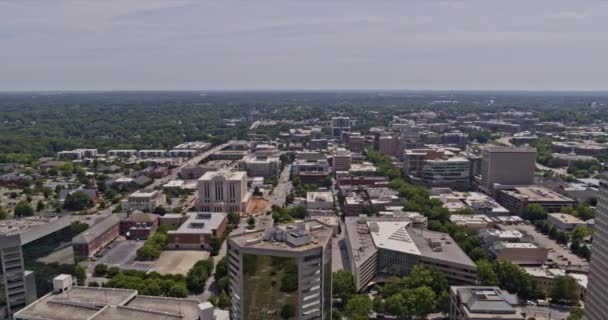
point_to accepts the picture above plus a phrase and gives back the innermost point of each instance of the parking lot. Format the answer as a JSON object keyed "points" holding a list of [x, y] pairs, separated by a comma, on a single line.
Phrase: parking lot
{"points": [[178, 261], [122, 254]]}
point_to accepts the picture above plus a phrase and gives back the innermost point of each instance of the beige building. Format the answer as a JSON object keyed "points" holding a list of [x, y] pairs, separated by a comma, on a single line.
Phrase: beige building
{"points": [[565, 222], [520, 253], [483, 303], [507, 166], [223, 191], [342, 160], [145, 201], [516, 199], [281, 270], [260, 166]]}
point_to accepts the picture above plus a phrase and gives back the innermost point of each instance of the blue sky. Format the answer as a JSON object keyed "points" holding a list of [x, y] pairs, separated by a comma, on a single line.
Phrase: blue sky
{"points": [[183, 45]]}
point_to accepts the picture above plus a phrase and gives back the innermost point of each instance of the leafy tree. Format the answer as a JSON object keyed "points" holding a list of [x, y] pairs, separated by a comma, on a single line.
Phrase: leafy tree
{"points": [[359, 307], [575, 314], [178, 290], [152, 288], [3, 214], [478, 253], [581, 232], [251, 222], [160, 210], [23, 209], [234, 218], [421, 301], [288, 311], [343, 285], [223, 300], [534, 212], [76, 201], [564, 289], [216, 244], [487, 275], [101, 270], [40, 206]]}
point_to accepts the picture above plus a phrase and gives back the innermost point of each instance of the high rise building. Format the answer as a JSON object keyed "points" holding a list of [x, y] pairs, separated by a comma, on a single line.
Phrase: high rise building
{"points": [[24, 240], [452, 173], [596, 301], [507, 166], [339, 125], [342, 160], [284, 271], [223, 191]]}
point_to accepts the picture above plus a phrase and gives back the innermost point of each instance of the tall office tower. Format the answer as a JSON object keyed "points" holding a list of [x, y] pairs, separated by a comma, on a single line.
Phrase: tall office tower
{"points": [[223, 191], [507, 166], [339, 125], [596, 301], [22, 240], [283, 272]]}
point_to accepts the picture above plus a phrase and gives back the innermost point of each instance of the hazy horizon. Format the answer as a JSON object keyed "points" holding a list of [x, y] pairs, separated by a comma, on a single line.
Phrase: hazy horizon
{"points": [[188, 45]]}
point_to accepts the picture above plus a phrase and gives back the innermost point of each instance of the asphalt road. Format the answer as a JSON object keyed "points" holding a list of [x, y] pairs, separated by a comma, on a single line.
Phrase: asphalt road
{"points": [[282, 189]]}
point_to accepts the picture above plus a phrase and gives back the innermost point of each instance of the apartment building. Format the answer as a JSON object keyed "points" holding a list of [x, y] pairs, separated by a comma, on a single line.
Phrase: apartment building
{"points": [[507, 166], [286, 267], [223, 191], [389, 246], [77, 154], [145, 201], [520, 253]]}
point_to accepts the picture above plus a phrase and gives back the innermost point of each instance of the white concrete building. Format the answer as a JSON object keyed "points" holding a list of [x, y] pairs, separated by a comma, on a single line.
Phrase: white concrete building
{"points": [[145, 201], [223, 191]]}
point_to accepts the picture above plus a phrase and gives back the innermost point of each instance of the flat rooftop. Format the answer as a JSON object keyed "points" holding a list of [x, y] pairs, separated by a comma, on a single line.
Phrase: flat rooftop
{"points": [[487, 302], [93, 232], [144, 194], [496, 149], [319, 196], [87, 303], [201, 223], [16, 226], [226, 174], [536, 193], [319, 233], [566, 218]]}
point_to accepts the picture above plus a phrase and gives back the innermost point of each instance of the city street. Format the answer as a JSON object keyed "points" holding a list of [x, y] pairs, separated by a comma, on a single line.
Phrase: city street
{"points": [[282, 189]]}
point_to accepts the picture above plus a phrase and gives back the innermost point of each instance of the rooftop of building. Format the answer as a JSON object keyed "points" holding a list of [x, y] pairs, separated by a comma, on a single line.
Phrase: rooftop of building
{"points": [[368, 234], [144, 194], [486, 302], [514, 245], [566, 218], [96, 230], [139, 216], [276, 238], [319, 196], [535, 193], [440, 246], [93, 303], [502, 234], [503, 149], [225, 174], [201, 222], [20, 225]]}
